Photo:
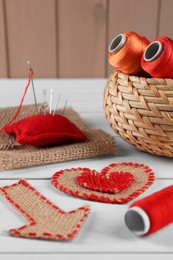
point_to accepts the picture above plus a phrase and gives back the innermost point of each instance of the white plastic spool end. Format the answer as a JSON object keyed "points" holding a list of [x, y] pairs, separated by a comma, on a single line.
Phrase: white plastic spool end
{"points": [[153, 51], [137, 221], [117, 43]]}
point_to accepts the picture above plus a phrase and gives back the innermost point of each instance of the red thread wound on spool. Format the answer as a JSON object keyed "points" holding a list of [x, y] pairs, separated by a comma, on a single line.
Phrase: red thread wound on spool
{"points": [[157, 59], [156, 208], [125, 52]]}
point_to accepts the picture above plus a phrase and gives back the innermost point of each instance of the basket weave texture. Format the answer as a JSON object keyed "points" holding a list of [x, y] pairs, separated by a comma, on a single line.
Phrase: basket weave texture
{"points": [[140, 110]]}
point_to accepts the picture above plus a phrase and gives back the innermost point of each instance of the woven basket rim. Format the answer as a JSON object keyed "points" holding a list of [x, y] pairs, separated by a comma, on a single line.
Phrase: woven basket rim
{"points": [[136, 78]]}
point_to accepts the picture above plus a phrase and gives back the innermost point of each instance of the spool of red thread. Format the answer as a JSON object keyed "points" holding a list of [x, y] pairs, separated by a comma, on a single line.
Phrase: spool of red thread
{"points": [[157, 59], [152, 213], [125, 52]]}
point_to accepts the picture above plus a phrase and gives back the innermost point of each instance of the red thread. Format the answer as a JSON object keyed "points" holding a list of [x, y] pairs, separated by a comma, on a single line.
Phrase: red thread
{"points": [[112, 182], [161, 67], [128, 58], [159, 208], [15, 232], [21, 102], [32, 222], [47, 234], [56, 181], [32, 234]]}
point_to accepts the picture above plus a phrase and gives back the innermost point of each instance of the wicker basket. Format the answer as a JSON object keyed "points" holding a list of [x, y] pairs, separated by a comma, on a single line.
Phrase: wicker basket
{"points": [[140, 110]]}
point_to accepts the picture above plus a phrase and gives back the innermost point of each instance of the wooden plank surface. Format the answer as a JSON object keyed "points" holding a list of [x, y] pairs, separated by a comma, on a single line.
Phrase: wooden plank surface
{"points": [[103, 232], [132, 15], [166, 15], [31, 36], [64, 38], [86, 97], [85, 256], [82, 38], [3, 46]]}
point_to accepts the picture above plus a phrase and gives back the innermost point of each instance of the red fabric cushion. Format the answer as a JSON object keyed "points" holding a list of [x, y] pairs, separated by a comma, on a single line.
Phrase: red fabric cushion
{"points": [[43, 130]]}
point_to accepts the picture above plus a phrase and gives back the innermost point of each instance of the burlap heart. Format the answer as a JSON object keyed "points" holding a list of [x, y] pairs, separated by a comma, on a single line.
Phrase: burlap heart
{"points": [[73, 181]]}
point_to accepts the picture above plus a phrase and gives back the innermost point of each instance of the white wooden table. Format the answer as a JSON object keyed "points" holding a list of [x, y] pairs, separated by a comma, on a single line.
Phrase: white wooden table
{"points": [[104, 235]]}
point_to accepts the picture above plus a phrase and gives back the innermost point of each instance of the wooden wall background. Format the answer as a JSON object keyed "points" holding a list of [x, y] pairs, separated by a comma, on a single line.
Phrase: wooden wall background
{"points": [[70, 38]]}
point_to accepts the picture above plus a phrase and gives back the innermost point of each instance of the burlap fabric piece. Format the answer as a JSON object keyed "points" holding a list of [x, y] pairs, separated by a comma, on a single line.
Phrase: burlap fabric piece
{"points": [[45, 219], [65, 181], [14, 155]]}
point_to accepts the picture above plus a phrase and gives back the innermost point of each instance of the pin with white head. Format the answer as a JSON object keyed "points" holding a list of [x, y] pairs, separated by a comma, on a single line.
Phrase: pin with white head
{"points": [[51, 98], [44, 94], [33, 88], [56, 104]]}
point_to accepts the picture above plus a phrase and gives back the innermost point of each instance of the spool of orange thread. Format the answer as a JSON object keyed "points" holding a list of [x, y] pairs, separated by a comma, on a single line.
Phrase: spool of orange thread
{"points": [[157, 59], [125, 52]]}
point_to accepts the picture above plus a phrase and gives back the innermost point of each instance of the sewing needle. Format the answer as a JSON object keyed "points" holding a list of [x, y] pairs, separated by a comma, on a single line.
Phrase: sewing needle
{"points": [[51, 96], [44, 93], [64, 107], [57, 104]]}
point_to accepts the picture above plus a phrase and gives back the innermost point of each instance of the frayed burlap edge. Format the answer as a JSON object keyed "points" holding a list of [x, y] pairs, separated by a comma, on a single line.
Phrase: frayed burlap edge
{"points": [[14, 155]]}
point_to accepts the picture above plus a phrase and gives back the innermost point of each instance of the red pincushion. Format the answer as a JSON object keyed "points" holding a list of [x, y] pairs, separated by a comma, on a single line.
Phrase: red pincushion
{"points": [[43, 130]]}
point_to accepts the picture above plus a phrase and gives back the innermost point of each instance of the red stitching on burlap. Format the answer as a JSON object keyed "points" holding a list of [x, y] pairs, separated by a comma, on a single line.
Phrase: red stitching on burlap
{"points": [[14, 231], [59, 236], [47, 234], [32, 234], [32, 222], [113, 182], [103, 198]]}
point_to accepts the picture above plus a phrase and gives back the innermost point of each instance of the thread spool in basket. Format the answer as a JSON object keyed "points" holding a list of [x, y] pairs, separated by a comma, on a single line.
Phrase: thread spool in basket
{"points": [[152, 213], [153, 51], [125, 52], [117, 43], [157, 59]]}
